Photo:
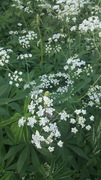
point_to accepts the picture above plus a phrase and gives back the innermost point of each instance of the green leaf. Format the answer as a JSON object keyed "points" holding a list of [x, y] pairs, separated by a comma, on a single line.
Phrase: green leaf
{"points": [[34, 158], [4, 101], [27, 101], [17, 131], [79, 86], [3, 89], [20, 95], [13, 151], [7, 176], [22, 158], [78, 151], [15, 106], [13, 119], [9, 133]]}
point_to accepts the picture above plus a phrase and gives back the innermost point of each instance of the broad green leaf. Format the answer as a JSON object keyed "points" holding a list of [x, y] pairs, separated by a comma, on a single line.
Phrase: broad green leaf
{"points": [[3, 89], [4, 101], [13, 151], [9, 133], [15, 107], [17, 131], [6, 176], [13, 119], [22, 158], [82, 84], [78, 151], [34, 158]]}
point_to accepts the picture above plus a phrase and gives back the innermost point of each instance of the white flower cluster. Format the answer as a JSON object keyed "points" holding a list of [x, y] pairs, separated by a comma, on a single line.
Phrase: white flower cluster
{"points": [[63, 115], [15, 78], [47, 6], [54, 80], [91, 24], [79, 120], [69, 8], [54, 39], [4, 56], [41, 119], [24, 56], [29, 84], [94, 94], [77, 67], [25, 40], [19, 5], [95, 10], [13, 32]]}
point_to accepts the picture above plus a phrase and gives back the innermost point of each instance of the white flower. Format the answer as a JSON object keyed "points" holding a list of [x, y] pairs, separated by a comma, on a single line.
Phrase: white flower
{"points": [[77, 111], [49, 110], [48, 101], [21, 122], [41, 111], [60, 143], [91, 118], [88, 127], [10, 82], [43, 121], [51, 149], [81, 121], [63, 115], [99, 34], [17, 85], [31, 121], [84, 111], [37, 139], [74, 130], [46, 128], [31, 107], [72, 121]]}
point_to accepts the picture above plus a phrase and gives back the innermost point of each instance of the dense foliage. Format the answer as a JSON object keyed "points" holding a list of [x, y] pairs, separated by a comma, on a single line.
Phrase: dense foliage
{"points": [[50, 90]]}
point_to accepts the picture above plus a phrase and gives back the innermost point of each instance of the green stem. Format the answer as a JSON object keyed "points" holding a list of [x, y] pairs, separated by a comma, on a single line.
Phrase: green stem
{"points": [[40, 35]]}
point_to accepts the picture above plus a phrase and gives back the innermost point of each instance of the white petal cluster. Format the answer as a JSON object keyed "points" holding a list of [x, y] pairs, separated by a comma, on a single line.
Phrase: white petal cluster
{"points": [[15, 78], [94, 94], [63, 115], [19, 5], [41, 110], [21, 122], [4, 56], [77, 67], [80, 119], [25, 39], [24, 56], [69, 9], [90, 24], [51, 45]]}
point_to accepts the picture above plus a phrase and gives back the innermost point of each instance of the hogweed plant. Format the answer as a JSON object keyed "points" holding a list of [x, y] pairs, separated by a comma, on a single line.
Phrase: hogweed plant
{"points": [[50, 91]]}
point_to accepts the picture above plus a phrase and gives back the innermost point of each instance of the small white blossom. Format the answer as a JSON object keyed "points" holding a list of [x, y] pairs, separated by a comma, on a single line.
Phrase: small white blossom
{"points": [[88, 127], [74, 130], [21, 122], [91, 118], [60, 143], [51, 149]]}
